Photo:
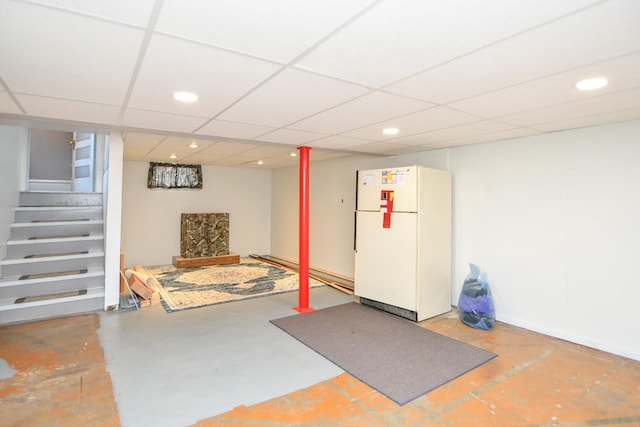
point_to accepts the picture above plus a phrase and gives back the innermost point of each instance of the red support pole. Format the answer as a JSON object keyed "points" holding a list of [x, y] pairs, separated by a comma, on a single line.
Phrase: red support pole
{"points": [[303, 292]]}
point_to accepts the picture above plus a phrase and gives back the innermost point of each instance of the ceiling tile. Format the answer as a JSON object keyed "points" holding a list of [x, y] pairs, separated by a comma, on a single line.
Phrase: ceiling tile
{"points": [[290, 136], [267, 150], [161, 121], [65, 54], [454, 132], [610, 102], [228, 148], [134, 154], [126, 11], [218, 77], [338, 142], [371, 108], [317, 155], [223, 128], [488, 137], [473, 70], [391, 42], [291, 96], [255, 27], [142, 140], [555, 89], [7, 105], [379, 147], [593, 120], [423, 121], [559, 46], [180, 145], [242, 160], [64, 109]]}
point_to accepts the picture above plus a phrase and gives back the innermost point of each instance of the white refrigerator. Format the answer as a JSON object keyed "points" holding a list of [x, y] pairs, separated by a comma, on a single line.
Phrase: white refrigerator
{"points": [[403, 241]]}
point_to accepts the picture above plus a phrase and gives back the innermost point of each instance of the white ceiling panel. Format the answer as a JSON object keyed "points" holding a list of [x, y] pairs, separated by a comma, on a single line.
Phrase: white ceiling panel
{"points": [[291, 96], [218, 77], [379, 147], [134, 154], [611, 102], [161, 121], [320, 154], [126, 11], [7, 104], [64, 109], [493, 136], [142, 140], [255, 27], [423, 121], [556, 47], [555, 89], [265, 151], [228, 148], [585, 121], [394, 41], [338, 142], [476, 128], [371, 108], [180, 145], [223, 128], [52, 53], [290, 136], [322, 73]]}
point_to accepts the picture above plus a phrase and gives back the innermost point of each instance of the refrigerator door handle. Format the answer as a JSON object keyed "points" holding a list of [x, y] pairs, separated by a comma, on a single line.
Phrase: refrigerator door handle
{"points": [[355, 230]]}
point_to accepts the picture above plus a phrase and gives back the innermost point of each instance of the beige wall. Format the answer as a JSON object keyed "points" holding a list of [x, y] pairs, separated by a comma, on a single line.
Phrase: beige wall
{"points": [[552, 218], [151, 218]]}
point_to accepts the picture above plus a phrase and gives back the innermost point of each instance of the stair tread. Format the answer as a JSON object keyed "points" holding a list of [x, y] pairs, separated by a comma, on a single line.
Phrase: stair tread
{"points": [[16, 281], [52, 258], [59, 208], [57, 223], [55, 239], [8, 304]]}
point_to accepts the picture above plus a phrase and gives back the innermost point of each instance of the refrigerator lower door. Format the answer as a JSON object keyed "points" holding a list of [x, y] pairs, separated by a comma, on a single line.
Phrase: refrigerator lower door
{"points": [[385, 261]]}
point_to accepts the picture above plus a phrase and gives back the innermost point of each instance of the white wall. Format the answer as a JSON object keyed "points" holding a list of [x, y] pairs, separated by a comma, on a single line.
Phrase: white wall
{"points": [[112, 205], [13, 158], [554, 219], [151, 217]]}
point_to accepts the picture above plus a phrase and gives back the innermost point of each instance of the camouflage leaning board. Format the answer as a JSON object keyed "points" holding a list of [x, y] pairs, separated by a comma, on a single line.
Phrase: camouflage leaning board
{"points": [[204, 234]]}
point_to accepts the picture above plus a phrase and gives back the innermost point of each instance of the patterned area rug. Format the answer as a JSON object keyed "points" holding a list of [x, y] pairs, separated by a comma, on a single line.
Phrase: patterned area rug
{"points": [[186, 288]]}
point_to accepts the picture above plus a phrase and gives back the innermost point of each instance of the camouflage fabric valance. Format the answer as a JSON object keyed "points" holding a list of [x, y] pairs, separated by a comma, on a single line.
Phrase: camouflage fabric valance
{"points": [[171, 175]]}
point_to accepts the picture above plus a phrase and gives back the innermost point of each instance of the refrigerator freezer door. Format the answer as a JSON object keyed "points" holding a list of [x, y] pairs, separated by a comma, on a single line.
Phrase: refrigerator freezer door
{"points": [[385, 261], [402, 181]]}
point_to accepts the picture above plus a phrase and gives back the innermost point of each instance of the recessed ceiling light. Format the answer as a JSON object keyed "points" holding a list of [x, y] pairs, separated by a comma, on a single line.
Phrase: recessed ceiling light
{"points": [[193, 144], [173, 156], [390, 131], [260, 162], [293, 154], [592, 84], [185, 96]]}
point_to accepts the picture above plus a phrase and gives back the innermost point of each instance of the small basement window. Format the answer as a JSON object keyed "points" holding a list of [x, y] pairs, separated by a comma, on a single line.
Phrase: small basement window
{"points": [[171, 175]]}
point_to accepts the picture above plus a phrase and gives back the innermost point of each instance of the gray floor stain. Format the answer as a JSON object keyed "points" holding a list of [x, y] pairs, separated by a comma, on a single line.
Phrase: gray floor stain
{"points": [[6, 371]]}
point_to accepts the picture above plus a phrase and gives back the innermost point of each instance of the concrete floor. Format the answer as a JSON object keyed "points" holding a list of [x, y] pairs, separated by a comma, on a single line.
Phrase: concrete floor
{"points": [[226, 365]]}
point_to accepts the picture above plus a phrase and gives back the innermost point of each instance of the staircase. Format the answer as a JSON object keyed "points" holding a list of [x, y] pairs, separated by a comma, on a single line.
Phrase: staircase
{"points": [[55, 257]]}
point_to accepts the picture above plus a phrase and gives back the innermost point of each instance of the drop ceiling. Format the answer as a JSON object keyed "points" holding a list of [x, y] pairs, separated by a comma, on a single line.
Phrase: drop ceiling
{"points": [[275, 75]]}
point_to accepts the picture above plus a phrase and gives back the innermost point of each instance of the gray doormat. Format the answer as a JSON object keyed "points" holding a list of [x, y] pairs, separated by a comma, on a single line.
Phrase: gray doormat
{"points": [[392, 355]]}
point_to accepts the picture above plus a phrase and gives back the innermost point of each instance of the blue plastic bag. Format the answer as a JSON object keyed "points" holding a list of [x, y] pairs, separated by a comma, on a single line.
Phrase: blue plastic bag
{"points": [[475, 304]]}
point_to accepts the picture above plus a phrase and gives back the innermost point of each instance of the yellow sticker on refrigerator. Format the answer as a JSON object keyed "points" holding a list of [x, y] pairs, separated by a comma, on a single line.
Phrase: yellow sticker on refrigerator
{"points": [[389, 177]]}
